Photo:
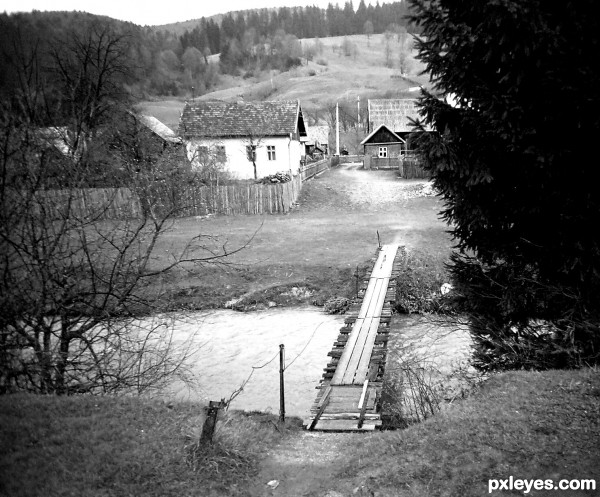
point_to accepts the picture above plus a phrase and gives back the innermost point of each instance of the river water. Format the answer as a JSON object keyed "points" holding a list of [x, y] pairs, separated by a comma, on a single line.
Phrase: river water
{"points": [[232, 346], [229, 344]]}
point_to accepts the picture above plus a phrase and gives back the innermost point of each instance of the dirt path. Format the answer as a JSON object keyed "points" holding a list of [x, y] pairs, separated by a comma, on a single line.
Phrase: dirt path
{"points": [[305, 466], [348, 187]]}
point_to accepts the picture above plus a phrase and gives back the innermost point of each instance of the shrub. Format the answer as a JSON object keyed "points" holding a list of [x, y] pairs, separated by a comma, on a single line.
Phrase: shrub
{"points": [[418, 286], [337, 305]]}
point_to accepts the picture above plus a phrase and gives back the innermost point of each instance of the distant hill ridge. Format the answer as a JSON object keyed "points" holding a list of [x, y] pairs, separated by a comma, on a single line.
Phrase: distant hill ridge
{"points": [[251, 43]]}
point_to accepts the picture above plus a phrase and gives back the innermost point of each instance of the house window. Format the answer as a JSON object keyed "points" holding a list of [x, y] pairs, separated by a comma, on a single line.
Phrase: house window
{"points": [[202, 152], [251, 152], [271, 152], [383, 153], [221, 155]]}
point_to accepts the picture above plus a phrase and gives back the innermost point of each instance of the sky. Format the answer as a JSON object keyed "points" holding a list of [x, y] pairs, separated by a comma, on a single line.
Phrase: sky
{"points": [[153, 12]]}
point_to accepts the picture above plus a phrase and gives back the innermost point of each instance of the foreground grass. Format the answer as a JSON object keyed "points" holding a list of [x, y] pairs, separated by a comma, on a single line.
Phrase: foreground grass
{"points": [[523, 424], [116, 446]]}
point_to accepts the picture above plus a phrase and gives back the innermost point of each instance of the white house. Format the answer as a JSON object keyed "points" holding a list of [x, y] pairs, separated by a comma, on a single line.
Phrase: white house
{"points": [[251, 139]]}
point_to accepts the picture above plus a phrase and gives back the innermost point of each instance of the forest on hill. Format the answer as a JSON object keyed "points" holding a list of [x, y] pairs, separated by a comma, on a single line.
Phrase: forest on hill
{"points": [[165, 62]]}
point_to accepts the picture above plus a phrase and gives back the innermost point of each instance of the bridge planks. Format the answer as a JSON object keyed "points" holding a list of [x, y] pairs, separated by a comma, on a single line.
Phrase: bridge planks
{"points": [[339, 406], [353, 366]]}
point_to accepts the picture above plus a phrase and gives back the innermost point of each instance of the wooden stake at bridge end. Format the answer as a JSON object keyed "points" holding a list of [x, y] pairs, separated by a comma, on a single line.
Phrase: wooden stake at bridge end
{"points": [[322, 405], [363, 409], [362, 395]]}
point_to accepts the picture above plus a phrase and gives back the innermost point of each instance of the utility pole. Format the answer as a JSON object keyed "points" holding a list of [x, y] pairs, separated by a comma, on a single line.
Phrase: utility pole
{"points": [[337, 128]]}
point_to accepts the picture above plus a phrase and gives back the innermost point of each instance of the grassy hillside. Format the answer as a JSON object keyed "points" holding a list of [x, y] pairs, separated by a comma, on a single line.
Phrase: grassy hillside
{"points": [[524, 424], [330, 76], [529, 425]]}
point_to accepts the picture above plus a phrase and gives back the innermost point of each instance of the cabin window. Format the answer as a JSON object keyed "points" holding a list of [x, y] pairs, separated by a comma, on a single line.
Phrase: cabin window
{"points": [[383, 152], [221, 154], [271, 152], [251, 152]]}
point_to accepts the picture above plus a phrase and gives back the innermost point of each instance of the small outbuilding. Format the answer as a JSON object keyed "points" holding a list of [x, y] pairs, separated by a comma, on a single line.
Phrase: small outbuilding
{"points": [[389, 142], [383, 143]]}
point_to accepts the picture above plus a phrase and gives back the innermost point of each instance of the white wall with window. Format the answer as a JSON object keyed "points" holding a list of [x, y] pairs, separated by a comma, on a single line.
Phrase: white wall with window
{"points": [[273, 155]]}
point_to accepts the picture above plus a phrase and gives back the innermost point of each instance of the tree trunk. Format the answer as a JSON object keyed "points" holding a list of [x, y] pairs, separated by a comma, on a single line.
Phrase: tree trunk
{"points": [[63, 356]]}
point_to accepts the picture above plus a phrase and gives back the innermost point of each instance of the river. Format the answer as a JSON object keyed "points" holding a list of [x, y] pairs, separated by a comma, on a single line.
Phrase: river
{"points": [[230, 343]]}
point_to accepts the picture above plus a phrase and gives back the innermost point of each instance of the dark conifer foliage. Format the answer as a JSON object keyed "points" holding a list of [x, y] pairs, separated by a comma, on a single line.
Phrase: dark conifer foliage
{"points": [[514, 162]]}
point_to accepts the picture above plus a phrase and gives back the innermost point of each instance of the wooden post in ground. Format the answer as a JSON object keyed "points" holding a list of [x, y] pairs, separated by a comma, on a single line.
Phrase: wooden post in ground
{"points": [[208, 429]]}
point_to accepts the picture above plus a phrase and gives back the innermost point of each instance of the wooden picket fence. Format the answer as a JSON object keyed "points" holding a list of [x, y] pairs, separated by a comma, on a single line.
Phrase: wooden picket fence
{"points": [[310, 170], [240, 199], [407, 167], [350, 159], [187, 200], [89, 203], [191, 200], [410, 168]]}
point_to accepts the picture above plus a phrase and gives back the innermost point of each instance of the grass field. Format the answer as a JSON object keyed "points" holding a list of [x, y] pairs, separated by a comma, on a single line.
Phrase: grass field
{"points": [[316, 247]]}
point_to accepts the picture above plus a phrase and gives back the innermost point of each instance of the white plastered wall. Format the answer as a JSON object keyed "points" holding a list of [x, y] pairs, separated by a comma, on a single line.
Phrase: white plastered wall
{"points": [[287, 155]]}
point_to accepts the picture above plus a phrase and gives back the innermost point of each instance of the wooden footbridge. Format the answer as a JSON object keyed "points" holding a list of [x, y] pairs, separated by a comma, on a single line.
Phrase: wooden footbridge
{"points": [[349, 394]]}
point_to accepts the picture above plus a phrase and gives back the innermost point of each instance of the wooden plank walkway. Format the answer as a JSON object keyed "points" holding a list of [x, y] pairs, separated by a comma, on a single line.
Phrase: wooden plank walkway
{"points": [[348, 395]]}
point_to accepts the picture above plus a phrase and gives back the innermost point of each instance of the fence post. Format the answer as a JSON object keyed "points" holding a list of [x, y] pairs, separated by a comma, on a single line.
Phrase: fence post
{"points": [[281, 384], [208, 428]]}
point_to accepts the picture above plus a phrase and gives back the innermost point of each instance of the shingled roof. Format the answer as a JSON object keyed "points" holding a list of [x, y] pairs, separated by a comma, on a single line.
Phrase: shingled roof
{"points": [[215, 119], [393, 113]]}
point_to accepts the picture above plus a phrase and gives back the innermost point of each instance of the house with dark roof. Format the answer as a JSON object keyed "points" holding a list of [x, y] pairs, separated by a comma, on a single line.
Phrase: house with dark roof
{"points": [[389, 143], [251, 139], [131, 128], [390, 122]]}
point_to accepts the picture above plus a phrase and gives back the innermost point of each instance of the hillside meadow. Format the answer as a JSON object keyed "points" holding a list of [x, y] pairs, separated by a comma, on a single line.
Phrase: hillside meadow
{"points": [[343, 69]]}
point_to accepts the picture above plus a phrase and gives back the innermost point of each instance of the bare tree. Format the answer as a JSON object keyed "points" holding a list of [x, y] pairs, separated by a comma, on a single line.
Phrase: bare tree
{"points": [[387, 50], [368, 30], [78, 274], [252, 143]]}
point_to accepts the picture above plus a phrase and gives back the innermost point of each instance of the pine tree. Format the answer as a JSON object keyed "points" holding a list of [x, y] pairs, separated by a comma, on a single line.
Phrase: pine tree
{"points": [[513, 161]]}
